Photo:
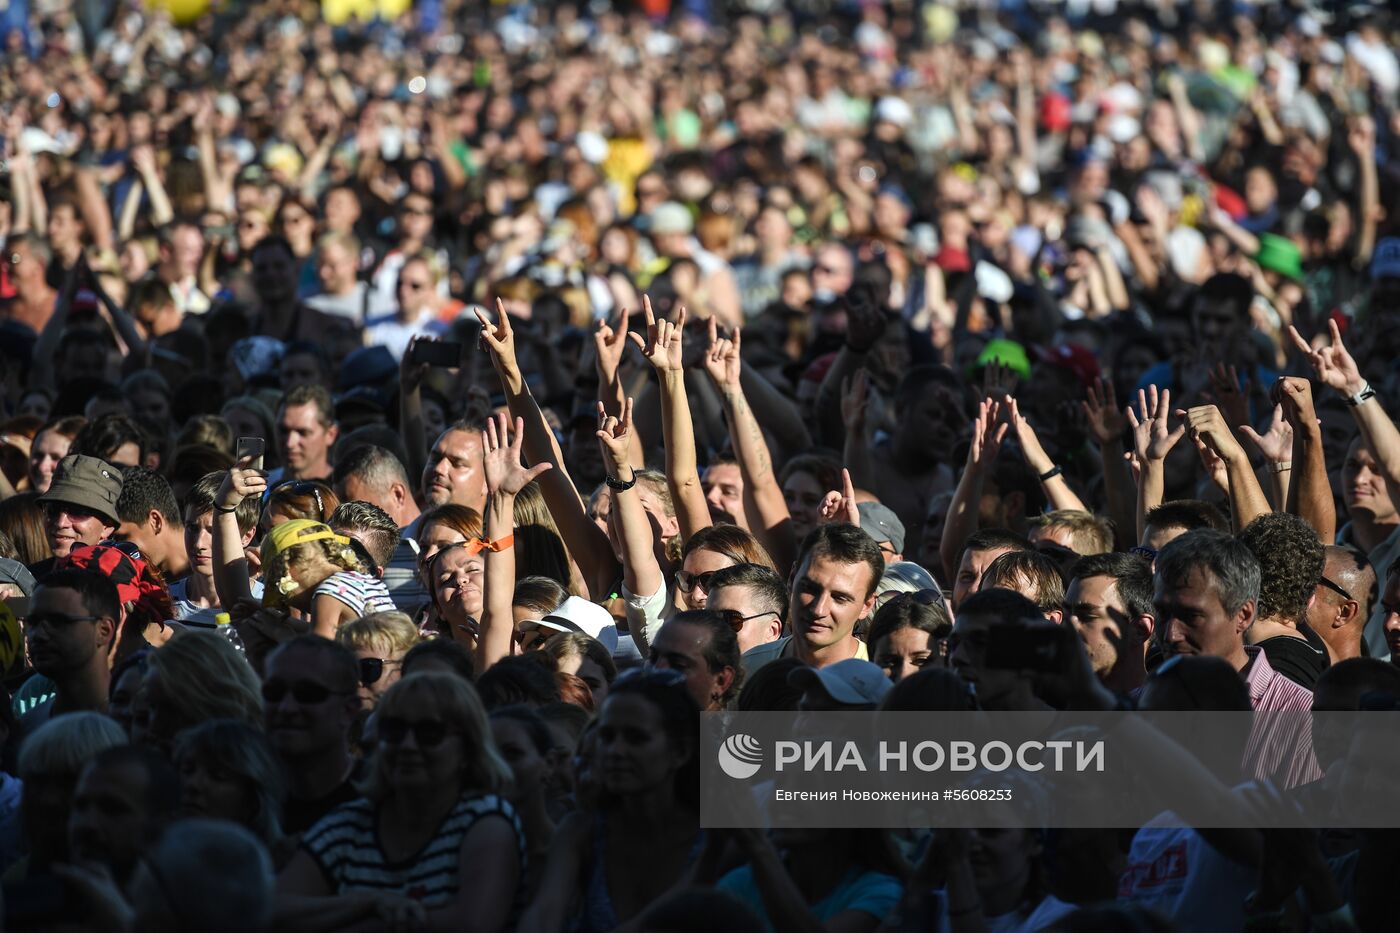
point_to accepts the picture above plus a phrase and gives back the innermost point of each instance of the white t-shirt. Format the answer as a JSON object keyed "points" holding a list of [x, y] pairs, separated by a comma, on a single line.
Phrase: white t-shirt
{"points": [[1174, 871]]}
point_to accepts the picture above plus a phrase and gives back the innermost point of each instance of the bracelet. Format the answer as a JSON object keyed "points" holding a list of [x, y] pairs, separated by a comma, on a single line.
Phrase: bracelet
{"points": [[477, 545], [621, 485], [1050, 474], [223, 511], [1282, 466], [1366, 393]]}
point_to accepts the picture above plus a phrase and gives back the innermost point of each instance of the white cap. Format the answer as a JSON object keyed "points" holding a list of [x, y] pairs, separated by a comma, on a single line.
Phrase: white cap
{"points": [[852, 682], [1123, 129], [894, 110], [992, 283], [577, 614], [670, 218]]}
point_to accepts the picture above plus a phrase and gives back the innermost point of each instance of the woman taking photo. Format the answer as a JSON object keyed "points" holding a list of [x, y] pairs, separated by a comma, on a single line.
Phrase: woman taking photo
{"points": [[610, 862], [433, 844]]}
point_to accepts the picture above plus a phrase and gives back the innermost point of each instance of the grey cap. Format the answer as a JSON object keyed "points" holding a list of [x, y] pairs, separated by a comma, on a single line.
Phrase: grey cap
{"points": [[880, 522], [12, 571]]}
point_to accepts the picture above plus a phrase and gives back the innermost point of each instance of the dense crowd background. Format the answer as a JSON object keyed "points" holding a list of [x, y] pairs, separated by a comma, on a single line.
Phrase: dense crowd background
{"points": [[414, 417]]}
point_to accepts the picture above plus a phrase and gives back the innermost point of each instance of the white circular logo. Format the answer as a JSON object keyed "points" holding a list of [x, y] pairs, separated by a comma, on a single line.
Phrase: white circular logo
{"points": [[740, 756]]}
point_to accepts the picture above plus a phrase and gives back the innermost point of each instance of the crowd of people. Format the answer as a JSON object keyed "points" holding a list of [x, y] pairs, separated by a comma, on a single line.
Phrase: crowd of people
{"points": [[414, 419]]}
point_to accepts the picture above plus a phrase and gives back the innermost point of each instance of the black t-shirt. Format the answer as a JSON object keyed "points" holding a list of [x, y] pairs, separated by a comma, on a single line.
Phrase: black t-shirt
{"points": [[299, 815], [1296, 658]]}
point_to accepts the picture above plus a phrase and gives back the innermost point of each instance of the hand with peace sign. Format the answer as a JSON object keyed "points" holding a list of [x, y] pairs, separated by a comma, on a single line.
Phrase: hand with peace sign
{"points": [[1334, 365]]}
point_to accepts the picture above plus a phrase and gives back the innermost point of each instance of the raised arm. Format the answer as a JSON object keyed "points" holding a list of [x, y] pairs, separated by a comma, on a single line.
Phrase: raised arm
{"points": [[1106, 423], [641, 573], [230, 564], [415, 441], [143, 159], [585, 542], [1276, 446], [763, 498], [1310, 494], [662, 349], [1336, 368], [987, 436], [1152, 441], [1247, 501], [855, 402], [505, 477], [610, 343], [1052, 479], [1361, 136]]}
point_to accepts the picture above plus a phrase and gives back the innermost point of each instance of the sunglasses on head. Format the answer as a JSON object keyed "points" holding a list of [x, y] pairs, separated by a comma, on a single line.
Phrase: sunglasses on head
{"points": [[427, 733], [307, 487], [305, 692], [1336, 588]]}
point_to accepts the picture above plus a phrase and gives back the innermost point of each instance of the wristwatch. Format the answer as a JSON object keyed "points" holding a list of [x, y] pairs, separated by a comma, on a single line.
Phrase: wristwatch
{"points": [[1361, 397], [621, 485]]}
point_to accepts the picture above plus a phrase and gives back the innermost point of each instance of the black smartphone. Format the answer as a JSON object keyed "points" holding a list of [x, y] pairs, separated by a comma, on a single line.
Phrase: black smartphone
{"points": [[253, 447], [444, 353], [1022, 648]]}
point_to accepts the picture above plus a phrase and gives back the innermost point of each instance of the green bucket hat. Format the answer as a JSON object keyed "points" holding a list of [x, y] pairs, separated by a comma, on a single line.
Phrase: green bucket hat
{"points": [[1007, 352], [1281, 255]]}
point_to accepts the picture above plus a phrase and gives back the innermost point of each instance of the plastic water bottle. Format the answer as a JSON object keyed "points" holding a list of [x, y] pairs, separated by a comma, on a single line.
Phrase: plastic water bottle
{"points": [[226, 629]]}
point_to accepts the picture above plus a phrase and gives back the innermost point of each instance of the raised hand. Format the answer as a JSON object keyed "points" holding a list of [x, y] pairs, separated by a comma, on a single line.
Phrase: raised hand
{"points": [[998, 381], [411, 374], [611, 343], [1294, 396], [840, 506], [663, 344], [1334, 365], [241, 482], [1225, 386], [1275, 444], [1207, 424], [1031, 448], [1152, 438], [855, 400], [614, 435], [1215, 467], [499, 338], [505, 474], [722, 359], [1106, 422], [987, 434]]}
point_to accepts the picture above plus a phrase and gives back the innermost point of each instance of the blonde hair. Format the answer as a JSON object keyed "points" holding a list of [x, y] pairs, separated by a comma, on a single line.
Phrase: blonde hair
{"points": [[391, 631], [336, 555], [456, 700], [205, 677], [1090, 534]]}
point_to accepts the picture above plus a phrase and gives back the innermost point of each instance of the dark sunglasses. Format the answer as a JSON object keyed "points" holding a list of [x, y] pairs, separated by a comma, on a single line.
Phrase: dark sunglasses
{"points": [[660, 676], [56, 620], [305, 692], [1146, 553], [1336, 588], [688, 581], [427, 733], [371, 669], [736, 621]]}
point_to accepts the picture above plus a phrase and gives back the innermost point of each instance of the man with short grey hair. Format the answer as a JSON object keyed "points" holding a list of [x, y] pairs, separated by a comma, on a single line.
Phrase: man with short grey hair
{"points": [[373, 475]]}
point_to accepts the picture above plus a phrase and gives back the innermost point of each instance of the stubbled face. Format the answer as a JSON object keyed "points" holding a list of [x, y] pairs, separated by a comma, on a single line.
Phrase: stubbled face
{"points": [[1192, 621], [680, 646], [1097, 614], [828, 598], [724, 492], [1364, 485], [69, 526], [305, 442], [970, 570], [455, 471]]}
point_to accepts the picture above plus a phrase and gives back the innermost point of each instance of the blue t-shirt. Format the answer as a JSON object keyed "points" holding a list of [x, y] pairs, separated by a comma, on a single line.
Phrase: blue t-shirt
{"points": [[871, 892]]}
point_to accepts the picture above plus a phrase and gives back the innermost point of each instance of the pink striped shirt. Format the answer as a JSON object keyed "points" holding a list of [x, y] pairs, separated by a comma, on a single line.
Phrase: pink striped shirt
{"points": [[1280, 743]]}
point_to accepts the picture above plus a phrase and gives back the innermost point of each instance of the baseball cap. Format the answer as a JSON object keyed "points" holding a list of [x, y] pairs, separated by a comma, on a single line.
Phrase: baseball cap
{"points": [[880, 522], [89, 482], [1071, 356], [577, 614], [16, 574], [1385, 263], [669, 218], [1280, 254], [852, 682], [894, 110]]}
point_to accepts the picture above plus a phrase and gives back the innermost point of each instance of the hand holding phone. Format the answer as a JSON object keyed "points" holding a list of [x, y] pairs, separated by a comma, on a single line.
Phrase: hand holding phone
{"points": [[442, 353], [251, 448]]}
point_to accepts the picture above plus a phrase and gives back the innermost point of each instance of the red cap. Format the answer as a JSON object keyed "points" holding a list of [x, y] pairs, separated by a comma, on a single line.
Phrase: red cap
{"points": [[1072, 357], [1229, 201], [1054, 113], [953, 260]]}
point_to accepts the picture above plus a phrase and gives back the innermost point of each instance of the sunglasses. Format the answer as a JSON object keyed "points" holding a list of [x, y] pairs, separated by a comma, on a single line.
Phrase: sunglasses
{"points": [[57, 620], [736, 621], [305, 692], [689, 581], [1146, 553], [413, 286], [306, 487], [371, 669], [1336, 588], [427, 733]]}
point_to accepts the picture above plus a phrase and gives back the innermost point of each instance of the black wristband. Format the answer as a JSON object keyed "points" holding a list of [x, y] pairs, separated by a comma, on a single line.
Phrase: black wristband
{"points": [[1050, 474], [621, 485], [223, 511]]}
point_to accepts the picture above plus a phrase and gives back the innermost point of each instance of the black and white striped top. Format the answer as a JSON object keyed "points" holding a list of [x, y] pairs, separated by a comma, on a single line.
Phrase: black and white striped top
{"points": [[345, 844]]}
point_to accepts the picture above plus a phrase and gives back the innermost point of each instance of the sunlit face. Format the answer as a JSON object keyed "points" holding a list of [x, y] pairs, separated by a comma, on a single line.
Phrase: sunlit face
{"points": [[828, 598], [724, 492], [455, 471], [904, 652], [1364, 485], [1096, 611], [969, 577], [1191, 619], [44, 454], [305, 442], [68, 526], [458, 580], [681, 646], [693, 581]]}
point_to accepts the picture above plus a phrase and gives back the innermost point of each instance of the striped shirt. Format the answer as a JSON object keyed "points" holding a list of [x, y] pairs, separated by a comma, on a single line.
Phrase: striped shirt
{"points": [[1279, 747], [345, 846], [361, 592]]}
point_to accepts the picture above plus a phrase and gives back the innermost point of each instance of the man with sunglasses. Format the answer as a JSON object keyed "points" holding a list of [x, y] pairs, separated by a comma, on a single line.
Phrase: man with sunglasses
{"points": [[1342, 601], [311, 695], [80, 506], [69, 630], [754, 599]]}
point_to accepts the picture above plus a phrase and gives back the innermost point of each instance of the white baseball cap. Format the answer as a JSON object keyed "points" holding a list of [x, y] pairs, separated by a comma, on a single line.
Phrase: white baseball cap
{"points": [[852, 682], [577, 614]]}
